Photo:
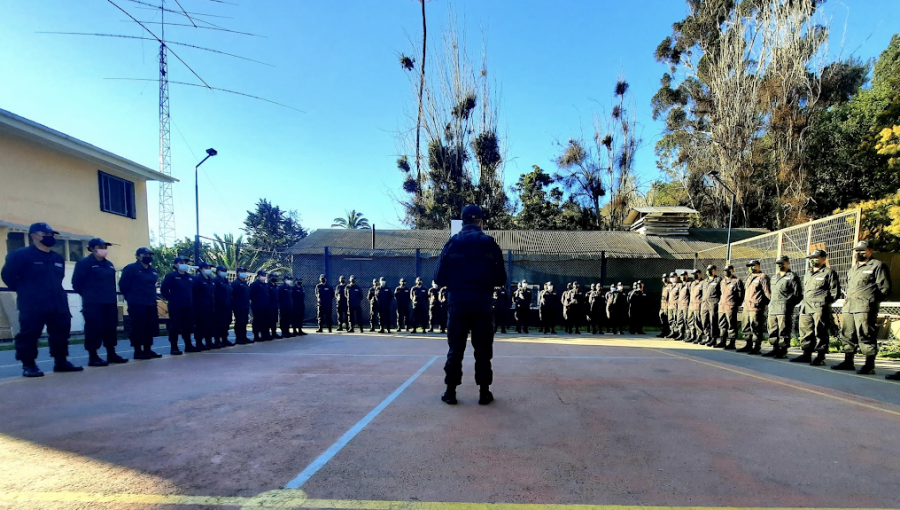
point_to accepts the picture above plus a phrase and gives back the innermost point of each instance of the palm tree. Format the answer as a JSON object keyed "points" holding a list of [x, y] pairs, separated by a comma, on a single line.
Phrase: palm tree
{"points": [[353, 221], [233, 253]]}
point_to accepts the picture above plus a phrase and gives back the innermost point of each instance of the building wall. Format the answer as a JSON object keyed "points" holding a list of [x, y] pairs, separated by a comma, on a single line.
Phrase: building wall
{"points": [[39, 184]]}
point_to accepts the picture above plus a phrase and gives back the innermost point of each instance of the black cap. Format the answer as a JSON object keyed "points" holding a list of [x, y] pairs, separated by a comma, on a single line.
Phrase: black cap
{"points": [[273, 276], [241, 270], [321, 276], [95, 242], [711, 267], [180, 259], [221, 268], [202, 264], [863, 246], [697, 271], [684, 273], [143, 251], [260, 273], [472, 212], [672, 274], [402, 280], [729, 267], [783, 258], [41, 227], [665, 275], [753, 262], [817, 254], [639, 282]]}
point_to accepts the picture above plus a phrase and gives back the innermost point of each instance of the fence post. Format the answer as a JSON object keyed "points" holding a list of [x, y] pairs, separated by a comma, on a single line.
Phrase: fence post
{"points": [[858, 226], [602, 268], [696, 260], [327, 265], [780, 242], [509, 264], [418, 263]]}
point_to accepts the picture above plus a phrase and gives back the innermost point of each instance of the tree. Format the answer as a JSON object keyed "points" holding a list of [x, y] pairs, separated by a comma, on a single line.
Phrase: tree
{"points": [[889, 145], [270, 227], [353, 221], [164, 256], [539, 210], [233, 253], [880, 221]]}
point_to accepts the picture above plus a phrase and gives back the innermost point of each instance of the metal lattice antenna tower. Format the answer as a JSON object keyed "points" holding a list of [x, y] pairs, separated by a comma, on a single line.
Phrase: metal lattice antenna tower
{"points": [[166, 200]]}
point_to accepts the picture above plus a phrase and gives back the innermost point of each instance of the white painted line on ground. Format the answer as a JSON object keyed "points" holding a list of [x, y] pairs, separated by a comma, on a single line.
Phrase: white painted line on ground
{"points": [[354, 355], [323, 459]]}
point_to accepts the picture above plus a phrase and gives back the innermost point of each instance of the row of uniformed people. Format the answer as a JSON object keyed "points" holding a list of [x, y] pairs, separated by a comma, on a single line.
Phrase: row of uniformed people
{"points": [[706, 310], [416, 307], [592, 308]]}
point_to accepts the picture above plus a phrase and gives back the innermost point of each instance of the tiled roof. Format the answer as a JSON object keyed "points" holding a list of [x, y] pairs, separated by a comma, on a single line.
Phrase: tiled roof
{"points": [[534, 243]]}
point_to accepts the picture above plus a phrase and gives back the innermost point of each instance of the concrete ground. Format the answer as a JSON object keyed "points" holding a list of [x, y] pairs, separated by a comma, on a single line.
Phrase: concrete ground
{"points": [[354, 422]]}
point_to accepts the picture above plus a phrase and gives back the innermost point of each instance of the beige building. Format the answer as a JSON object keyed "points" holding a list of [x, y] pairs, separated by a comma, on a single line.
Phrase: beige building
{"points": [[79, 189]]}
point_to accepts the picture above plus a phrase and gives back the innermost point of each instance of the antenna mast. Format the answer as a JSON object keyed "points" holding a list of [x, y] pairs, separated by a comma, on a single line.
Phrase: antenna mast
{"points": [[166, 200]]}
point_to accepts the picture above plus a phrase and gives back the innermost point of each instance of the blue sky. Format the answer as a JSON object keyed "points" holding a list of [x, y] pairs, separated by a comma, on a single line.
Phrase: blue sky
{"points": [[556, 63]]}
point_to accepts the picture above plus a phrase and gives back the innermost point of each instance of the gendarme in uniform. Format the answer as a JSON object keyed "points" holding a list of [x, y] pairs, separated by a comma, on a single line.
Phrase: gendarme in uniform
{"points": [[470, 266]]}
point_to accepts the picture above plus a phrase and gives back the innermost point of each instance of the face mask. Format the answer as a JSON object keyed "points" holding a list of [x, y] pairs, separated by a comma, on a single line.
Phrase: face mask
{"points": [[434, 285], [289, 282], [183, 268], [223, 274], [813, 263], [263, 278], [383, 283], [48, 241], [242, 276], [147, 259], [780, 267], [620, 288], [101, 252], [550, 288], [861, 256], [673, 280], [206, 272]]}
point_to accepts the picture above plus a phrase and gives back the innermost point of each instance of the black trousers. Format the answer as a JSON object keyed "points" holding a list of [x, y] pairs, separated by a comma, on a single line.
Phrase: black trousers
{"points": [[548, 319], [461, 322], [144, 325], [634, 322], [181, 322], [355, 317], [241, 318], [522, 318], [100, 323], [31, 325], [664, 322], [260, 322], [434, 312], [204, 325], [272, 322], [384, 317], [297, 317], [402, 316], [325, 315], [223, 321], [420, 317], [373, 315], [285, 322], [500, 318], [343, 319]]}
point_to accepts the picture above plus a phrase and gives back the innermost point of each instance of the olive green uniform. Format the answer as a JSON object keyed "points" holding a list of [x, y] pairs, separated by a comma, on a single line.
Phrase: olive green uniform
{"points": [[868, 284], [756, 299], [786, 293], [732, 295], [709, 308], [695, 319], [821, 288]]}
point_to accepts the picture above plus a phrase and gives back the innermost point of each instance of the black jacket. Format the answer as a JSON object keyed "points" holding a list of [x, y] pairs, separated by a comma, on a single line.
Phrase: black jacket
{"points": [[298, 299], [204, 294], [95, 281], [178, 290], [273, 295], [36, 277], [259, 294], [385, 296], [138, 284], [223, 293], [285, 297], [354, 295], [470, 266], [240, 294]]}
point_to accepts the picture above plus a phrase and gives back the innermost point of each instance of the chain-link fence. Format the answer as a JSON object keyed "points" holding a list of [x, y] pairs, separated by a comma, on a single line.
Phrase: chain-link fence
{"points": [[837, 235]]}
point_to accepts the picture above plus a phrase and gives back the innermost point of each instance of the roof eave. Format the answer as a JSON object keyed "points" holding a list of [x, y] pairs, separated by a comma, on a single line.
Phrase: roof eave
{"points": [[64, 143]]}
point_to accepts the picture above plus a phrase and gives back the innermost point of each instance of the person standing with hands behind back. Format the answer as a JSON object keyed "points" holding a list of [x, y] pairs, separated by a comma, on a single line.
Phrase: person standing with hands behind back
{"points": [[94, 279], [138, 285], [470, 266]]}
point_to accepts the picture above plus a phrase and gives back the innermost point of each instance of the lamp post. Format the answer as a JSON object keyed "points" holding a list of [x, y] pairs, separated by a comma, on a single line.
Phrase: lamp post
{"points": [[715, 175], [209, 153]]}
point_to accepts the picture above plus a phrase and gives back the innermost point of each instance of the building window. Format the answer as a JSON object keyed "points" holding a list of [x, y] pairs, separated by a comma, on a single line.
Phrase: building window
{"points": [[76, 251], [116, 195], [14, 241]]}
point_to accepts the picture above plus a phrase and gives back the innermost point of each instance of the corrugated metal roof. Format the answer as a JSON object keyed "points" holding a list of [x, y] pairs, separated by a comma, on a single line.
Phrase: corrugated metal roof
{"points": [[534, 243], [668, 209]]}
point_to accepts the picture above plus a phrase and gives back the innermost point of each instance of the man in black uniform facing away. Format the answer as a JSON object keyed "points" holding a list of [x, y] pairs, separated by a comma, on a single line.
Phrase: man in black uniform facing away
{"points": [[240, 304], [178, 290], [324, 302], [259, 303], [35, 273], [94, 279], [298, 312], [204, 307], [470, 266], [341, 293], [286, 304], [548, 303], [272, 312], [354, 304], [401, 294], [636, 309], [138, 285], [224, 297]]}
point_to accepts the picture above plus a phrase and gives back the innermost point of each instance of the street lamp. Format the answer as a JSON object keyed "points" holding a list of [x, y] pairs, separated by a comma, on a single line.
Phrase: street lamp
{"points": [[715, 175], [209, 153]]}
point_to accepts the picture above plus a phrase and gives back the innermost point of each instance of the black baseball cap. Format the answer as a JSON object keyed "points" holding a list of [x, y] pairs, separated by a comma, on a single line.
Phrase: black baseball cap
{"points": [[711, 267], [697, 271], [143, 250], [472, 212], [863, 246], [260, 273], [95, 242], [242, 270], [753, 262], [817, 254], [783, 258], [221, 268], [178, 260], [41, 227], [729, 266], [202, 264]]}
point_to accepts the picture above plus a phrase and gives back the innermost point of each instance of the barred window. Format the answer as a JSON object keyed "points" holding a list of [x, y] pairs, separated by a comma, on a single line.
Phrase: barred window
{"points": [[116, 195]]}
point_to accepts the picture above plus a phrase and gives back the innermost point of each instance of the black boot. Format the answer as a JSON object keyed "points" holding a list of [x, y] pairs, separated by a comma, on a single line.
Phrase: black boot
{"points": [[139, 352], [747, 346], [227, 343], [781, 352], [188, 345], [757, 347], [112, 357], [772, 353], [31, 370], [148, 350], [64, 365], [730, 346], [847, 364], [485, 396], [721, 344], [449, 396], [805, 357], [893, 377], [868, 367], [819, 360], [94, 360], [174, 350]]}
